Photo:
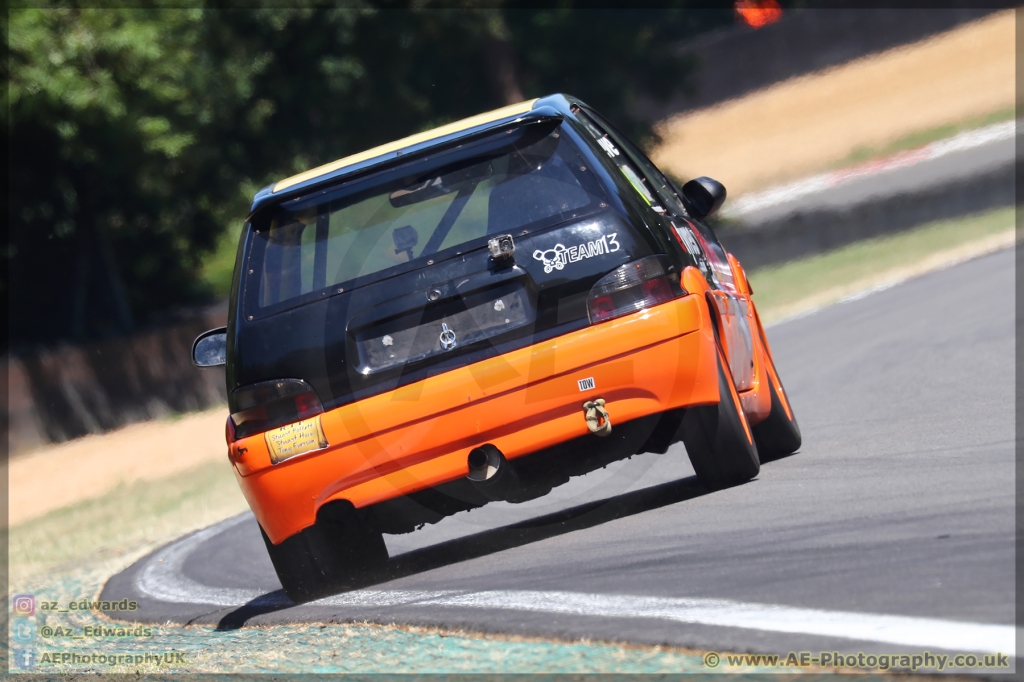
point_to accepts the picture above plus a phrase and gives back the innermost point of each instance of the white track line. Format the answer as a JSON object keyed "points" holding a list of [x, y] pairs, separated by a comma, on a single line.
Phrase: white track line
{"points": [[161, 578], [905, 630], [782, 194]]}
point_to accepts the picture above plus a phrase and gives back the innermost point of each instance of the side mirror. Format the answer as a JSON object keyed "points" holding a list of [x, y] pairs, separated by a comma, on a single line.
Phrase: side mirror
{"points": [[211, 348], [703, 196]]}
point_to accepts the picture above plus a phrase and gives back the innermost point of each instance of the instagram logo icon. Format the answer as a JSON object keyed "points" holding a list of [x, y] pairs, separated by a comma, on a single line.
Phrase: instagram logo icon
{"points": [[24, 604]]}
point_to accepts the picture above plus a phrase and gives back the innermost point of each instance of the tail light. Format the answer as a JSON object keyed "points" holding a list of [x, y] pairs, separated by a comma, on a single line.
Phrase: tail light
{"points": [[632, 287], [269, 404], [229, 431]]}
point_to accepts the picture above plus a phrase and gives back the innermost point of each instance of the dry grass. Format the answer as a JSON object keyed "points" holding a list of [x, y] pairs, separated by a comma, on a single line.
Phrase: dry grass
{"points": [[807, 124], [114, 529], [62, 475]]}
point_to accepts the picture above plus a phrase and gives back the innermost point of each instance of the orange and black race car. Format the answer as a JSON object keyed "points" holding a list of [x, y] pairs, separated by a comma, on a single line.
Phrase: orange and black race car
{"points": [[477, 313]]}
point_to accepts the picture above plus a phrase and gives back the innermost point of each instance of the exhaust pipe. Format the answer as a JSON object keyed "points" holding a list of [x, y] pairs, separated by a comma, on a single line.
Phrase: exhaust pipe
{"points": [[491, 474]]}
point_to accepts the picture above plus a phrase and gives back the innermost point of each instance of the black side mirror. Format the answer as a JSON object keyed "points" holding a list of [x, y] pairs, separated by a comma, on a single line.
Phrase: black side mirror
{"points": [[211, 348], [703, 196]]}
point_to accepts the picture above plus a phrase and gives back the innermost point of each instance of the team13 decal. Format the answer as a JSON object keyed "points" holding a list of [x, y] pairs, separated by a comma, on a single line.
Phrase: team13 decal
{"points": [[558, 257]]}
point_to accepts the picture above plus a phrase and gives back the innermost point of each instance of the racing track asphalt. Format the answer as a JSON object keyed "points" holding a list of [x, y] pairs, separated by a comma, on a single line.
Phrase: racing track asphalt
{"points": [[892, 529]]}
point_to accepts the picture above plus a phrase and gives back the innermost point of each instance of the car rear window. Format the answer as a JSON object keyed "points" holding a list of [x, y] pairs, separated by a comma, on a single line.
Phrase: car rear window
{"points": [[424, 211]]}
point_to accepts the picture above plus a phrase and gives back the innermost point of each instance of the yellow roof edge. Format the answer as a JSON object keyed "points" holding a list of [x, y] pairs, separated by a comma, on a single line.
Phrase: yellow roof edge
{"points": [[447, 129]]}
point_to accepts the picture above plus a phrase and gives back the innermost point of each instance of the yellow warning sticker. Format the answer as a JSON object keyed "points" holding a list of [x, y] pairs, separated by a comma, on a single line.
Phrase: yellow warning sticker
{"points": [[296, 439]]}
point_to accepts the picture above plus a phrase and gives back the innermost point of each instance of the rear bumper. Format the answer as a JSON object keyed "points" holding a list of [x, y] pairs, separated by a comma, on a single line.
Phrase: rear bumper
{"points": [[420, 435]]}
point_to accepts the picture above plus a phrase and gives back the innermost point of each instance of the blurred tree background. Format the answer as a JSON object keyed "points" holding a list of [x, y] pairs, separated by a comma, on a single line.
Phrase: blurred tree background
{"points": [[137, 137]]}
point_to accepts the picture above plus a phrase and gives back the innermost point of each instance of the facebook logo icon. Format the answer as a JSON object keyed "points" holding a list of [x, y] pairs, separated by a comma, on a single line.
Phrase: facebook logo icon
{"points": [[25, 658]]}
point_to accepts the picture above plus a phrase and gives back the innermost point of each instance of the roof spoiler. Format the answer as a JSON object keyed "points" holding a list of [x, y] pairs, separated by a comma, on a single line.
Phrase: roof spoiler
{"points": [[265, 195]]}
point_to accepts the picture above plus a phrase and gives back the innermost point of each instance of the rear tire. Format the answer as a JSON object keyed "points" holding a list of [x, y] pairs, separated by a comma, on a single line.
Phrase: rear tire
{"points": [[718, 439], [778, 435], [329, 556]]}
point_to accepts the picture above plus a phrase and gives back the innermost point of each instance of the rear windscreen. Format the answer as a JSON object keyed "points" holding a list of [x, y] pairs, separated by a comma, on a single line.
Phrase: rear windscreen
{"points": [[526, 179]]}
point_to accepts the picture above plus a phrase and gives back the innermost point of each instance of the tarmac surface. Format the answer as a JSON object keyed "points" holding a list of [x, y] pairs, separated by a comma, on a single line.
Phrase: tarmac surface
{"points": [[891, 530]]}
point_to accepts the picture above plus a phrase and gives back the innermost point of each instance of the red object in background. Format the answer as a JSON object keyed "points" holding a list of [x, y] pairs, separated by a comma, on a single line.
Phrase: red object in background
{"points": [[758, 13]]}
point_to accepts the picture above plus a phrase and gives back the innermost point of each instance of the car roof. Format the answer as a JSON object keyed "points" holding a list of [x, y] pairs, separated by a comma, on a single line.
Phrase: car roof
{"points": [[335, 170], [456, 127]]}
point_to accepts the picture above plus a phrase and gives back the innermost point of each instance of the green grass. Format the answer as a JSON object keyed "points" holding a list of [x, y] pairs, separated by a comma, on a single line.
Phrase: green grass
{"points": [[786, 284], [128, 518], [923, 137]]}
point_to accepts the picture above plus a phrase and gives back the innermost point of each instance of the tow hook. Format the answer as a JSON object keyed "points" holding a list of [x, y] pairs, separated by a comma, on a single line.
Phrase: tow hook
{"points": [[598, 420]]}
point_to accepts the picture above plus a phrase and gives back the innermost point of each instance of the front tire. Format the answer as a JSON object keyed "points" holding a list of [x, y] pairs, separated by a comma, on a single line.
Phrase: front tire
{"points": [[718, 439], [329, 556]]}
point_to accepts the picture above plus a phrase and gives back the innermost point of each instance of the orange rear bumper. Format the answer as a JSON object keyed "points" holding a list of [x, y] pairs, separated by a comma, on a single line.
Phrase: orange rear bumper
{"points": [[420, 435]]}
